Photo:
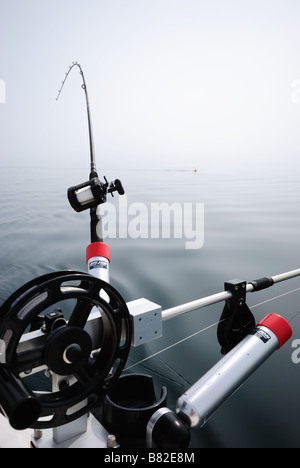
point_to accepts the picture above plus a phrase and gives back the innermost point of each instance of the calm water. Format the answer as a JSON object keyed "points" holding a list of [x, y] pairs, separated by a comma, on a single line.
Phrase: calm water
{"points": [[251, 229]]}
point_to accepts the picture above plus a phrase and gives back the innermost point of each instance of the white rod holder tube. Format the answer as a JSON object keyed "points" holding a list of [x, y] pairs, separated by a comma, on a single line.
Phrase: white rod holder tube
{"points": [[214, 388], [98, 259]]}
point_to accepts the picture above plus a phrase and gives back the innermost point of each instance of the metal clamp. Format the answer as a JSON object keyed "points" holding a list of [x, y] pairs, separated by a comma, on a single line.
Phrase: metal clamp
{"points": [[236, 320]]}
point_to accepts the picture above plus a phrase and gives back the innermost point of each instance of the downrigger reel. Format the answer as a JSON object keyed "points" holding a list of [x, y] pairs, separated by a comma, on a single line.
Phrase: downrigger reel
{"points": [[90, 348]]}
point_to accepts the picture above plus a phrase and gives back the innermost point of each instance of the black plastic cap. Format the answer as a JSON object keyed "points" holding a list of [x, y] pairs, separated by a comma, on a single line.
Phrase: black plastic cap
{"points": [[171, 431]]}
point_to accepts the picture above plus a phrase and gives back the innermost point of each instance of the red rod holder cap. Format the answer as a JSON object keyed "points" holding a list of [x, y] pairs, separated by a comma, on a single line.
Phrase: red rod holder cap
{"points": [[97, 249], [279, 326]]}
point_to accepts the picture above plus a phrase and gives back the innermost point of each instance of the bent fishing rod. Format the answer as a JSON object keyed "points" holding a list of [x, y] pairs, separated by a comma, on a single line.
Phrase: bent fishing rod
{"points": [[84, 87], [92, 193]]}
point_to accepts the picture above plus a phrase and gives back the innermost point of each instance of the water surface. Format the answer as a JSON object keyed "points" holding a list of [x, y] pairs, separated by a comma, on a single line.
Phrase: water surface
{"points": [[251, 229]]}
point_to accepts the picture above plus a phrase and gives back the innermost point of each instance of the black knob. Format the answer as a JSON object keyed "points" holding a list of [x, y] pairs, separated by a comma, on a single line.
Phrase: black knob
{"points": [[73, 354], [119, 187]]}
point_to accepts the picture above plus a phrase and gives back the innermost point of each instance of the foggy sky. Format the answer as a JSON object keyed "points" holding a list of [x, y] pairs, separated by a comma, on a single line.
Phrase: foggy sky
{"points": [[212, 84]]}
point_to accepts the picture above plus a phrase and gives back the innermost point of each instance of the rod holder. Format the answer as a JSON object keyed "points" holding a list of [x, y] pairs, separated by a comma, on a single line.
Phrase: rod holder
{"points": [[129, 406], [215, 387]]}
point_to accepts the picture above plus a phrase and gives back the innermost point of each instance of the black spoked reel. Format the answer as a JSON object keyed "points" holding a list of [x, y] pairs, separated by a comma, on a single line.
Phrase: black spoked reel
{"points": [[91, 345]]}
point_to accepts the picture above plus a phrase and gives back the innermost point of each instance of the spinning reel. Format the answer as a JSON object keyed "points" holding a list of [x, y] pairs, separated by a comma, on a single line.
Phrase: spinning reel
{"points": [[94, 356]]}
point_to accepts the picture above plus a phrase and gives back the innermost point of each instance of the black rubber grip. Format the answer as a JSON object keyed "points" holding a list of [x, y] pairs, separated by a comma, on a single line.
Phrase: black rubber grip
{"points": [[262, 283]]}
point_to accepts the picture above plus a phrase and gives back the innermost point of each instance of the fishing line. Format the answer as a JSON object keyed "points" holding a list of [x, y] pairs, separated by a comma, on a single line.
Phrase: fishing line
{"points": [[205, 329], [175, 371], [173, 345], [296, 315], [174, 381], [273, 298]]}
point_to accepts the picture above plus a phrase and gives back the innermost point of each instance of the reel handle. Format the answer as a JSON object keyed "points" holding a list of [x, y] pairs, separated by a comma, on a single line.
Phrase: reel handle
{"points": [[17, 402]]}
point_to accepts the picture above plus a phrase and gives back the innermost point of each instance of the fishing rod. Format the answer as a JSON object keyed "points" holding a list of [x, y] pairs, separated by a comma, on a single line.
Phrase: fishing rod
{"points": [[84, 87], [92, 193]]}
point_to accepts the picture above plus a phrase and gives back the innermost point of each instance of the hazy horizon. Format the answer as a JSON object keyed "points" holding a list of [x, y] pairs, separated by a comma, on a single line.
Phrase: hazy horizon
{"points": [[173, 84]]}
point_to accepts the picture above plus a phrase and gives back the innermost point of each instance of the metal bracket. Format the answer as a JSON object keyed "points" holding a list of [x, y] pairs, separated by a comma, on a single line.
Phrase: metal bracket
{"points": [[146, 319], [95, 436]]}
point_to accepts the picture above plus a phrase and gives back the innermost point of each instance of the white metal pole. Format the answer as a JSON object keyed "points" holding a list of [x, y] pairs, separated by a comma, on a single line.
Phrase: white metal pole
{"points": [[286, 276], [198, 304], [222, 296]]}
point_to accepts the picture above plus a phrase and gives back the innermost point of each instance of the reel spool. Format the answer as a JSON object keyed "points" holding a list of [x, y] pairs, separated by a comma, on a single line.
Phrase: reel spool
{"points": [[96, 359]]}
